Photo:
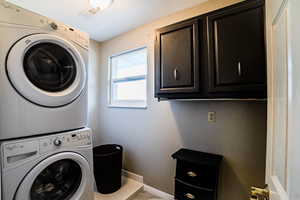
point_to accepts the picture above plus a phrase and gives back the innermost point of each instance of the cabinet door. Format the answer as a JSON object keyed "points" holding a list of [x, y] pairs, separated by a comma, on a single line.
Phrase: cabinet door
{"points": [[177, 59], [237, 49]]}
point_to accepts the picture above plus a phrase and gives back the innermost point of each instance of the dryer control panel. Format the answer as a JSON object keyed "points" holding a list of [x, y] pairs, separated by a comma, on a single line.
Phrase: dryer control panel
{"points": [[72, 34], [15, 15]]}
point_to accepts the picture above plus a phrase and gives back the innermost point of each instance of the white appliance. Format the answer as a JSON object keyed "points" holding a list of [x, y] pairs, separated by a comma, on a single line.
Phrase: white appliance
{"points": [[43, 74], [55, 167]]}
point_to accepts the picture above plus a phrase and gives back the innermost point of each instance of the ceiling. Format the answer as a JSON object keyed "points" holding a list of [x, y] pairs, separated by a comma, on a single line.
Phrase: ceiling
{"points": [[121, 17]]}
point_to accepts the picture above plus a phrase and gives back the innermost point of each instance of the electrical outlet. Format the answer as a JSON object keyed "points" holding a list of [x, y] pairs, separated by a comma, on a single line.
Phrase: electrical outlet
{"points": [[212, 117]]}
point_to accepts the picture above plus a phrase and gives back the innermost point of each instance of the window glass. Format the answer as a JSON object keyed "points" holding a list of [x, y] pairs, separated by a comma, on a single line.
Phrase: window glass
{"points": [[132, 90], [130, 64], [128, 79]]}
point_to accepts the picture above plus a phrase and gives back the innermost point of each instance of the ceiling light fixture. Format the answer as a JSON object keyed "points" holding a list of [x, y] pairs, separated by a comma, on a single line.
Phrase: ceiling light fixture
{"points": [[99, 5]]}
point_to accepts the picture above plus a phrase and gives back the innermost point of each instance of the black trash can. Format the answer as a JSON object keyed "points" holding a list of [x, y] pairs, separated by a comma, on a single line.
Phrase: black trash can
{"points": [[108, 167]]}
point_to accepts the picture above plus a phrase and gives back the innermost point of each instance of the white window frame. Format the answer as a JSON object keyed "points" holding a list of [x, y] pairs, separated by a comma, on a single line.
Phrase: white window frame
{"points": [[139, 104]]}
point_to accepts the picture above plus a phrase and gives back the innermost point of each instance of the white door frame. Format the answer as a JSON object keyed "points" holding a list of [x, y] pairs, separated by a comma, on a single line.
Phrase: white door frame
{"points": [[277, 99], [283, 138]]}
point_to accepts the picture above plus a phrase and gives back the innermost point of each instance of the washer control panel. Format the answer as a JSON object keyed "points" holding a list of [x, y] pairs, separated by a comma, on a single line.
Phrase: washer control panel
{"points": [[21, 151], [73, 139]]}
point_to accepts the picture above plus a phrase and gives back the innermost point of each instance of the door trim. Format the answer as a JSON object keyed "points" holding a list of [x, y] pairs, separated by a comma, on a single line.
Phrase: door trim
{"points": [[275, 11]]}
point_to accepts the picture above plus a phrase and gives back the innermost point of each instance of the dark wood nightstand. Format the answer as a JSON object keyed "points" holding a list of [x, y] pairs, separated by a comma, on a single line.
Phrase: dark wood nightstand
{"points": [[197, 175]]}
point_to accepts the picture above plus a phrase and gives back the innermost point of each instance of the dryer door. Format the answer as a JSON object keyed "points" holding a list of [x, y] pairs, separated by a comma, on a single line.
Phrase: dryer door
{"points": [[46, 70], [64, 176]]}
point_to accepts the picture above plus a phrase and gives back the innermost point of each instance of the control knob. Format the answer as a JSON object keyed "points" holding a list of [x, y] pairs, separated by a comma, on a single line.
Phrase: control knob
{"points": [[54, 26], [57, 142]]}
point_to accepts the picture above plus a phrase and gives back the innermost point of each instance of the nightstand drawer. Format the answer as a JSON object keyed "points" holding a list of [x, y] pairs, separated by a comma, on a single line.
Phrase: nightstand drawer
{"points": [[186, 192], [201, 176]]}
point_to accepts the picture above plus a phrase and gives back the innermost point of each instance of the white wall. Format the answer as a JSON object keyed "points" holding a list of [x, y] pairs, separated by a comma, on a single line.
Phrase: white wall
{"points": [[150, 136]]}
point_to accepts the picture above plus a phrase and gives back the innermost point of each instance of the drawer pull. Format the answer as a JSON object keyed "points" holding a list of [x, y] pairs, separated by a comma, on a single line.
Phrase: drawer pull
{"points": [[239, 69], [176, 74], [191, 174], [189, 196]]}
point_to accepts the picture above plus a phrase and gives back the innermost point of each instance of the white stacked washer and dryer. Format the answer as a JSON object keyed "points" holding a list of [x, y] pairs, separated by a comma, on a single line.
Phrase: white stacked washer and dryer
{"points": [[46, 151]]}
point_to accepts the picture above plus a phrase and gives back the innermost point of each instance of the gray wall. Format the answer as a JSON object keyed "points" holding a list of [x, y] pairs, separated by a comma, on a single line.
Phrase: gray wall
{"points": [[151, 135]]}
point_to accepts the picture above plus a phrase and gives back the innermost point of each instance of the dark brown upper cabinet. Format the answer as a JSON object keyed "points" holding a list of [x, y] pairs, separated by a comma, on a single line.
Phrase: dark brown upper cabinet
{"points": [[236, 49], [177, 58], [217, 55]]}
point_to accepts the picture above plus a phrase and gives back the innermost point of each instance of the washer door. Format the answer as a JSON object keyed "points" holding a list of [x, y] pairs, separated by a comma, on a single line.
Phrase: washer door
{"points": [[63, 176], [46, 70]]}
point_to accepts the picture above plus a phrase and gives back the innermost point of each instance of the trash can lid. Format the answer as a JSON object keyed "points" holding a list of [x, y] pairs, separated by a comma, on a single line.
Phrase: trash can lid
{"points": [[107, 149]]}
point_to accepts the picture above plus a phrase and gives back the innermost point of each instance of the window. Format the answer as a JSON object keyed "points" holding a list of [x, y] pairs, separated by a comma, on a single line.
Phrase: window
{"points": [[128, 79]]}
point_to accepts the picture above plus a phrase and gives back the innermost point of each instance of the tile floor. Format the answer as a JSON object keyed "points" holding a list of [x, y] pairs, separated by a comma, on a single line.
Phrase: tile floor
{"points": [[143, 195], [129, 189]]}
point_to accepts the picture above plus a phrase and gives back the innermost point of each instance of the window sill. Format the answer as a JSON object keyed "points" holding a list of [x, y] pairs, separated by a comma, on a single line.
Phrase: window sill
{"points": [[128, 106]]}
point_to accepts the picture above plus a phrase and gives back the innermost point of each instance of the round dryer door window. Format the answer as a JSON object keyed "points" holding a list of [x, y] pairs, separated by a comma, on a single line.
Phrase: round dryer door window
{"points": [[63, 176], [46, 70], [49, 67]]}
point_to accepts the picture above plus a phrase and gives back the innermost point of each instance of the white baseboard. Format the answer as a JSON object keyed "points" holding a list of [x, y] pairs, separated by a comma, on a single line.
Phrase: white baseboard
{"points": [[133, 176], [158, 193]]}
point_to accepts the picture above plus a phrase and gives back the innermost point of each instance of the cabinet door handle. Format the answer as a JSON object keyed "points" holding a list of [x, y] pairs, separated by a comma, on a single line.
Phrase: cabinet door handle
{"points": [[175, 74], [191, 174], [189, 196], [239, 69]]}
